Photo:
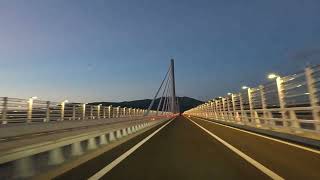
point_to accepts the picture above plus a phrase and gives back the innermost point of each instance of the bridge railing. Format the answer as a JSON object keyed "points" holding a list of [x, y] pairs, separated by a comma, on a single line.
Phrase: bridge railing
{"points": [[290, 104], [15, 110]]}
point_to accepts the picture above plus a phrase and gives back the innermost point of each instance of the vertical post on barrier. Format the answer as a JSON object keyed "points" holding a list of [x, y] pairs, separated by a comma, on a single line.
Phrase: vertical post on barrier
{"points": [[104, 112], [74, 112], [62, 110], [98, 109], [30, 104], [4, 110], [91, 112], [233, 107], [83, 111], [281, 101], [118, 111], [241, 109], [228, 108], [263, 104], [223, 108], [124, 112], [48, 112], [312, 91], [109, 111]]}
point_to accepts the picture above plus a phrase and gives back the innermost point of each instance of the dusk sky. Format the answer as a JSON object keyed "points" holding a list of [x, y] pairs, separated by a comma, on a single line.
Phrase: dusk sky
{"points": [[115, 50]]}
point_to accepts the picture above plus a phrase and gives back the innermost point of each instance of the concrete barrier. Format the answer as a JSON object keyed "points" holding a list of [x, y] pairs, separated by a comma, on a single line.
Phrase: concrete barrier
{"points": [[23, 158]]}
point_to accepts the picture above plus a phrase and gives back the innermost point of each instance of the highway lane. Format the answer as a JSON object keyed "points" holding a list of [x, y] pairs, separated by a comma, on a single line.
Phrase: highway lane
{"points": [[180, 150], [288, 161]]}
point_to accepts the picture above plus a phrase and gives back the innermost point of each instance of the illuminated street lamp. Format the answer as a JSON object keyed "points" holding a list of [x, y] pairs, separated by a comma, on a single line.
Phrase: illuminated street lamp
{"points": [[245, 87], [34, 97], [272, 76], [229, 94]]}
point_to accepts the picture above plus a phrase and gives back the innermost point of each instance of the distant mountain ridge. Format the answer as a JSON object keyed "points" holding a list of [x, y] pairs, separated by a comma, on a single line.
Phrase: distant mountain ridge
{"points": [[185, 103]]}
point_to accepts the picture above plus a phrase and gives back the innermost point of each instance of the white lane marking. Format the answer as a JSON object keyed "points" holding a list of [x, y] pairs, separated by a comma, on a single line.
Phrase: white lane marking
{"points": [[266, 137], [255, 163], [114, 163]]}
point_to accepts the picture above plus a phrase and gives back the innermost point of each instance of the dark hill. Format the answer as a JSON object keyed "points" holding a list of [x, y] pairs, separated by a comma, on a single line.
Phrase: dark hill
{"points": [[185, 103]]}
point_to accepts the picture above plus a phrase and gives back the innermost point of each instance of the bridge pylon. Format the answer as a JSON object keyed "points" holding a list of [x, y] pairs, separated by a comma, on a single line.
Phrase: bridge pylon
{"points": [[168, 101]]}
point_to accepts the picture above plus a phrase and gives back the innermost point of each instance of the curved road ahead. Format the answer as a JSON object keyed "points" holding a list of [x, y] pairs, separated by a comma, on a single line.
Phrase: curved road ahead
{"points": [[192, 148]]}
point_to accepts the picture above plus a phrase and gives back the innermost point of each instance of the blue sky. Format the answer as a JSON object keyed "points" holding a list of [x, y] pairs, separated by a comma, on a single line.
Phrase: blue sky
{"points": [[111, 50]]}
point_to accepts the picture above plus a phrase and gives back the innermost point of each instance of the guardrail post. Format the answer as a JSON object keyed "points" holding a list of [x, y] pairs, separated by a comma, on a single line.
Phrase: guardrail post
{"points": [[118, 111], [251, 119], [233, 107], [91, 112], [242, 118], [281, 101], [130, 111], [4, 110], [109, 110], [114, 112], [83, 111], [313, 97], [98, 113], [208, 109], [138, 112], [223, 109], [254, 119], [29, 115], [205, 108], [48, 112], [74, 112], [212, 109], [104, 112], [62, 110], [217, 110], [264, 105], [228, 109], [124, 112]]}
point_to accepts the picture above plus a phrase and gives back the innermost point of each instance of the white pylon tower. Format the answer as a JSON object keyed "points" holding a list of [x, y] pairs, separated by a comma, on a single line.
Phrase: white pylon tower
{"points": [[173, 86], [168, 101]]}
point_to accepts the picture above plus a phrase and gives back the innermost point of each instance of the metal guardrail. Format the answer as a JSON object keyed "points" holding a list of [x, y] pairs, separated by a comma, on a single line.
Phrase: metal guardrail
{"points": [[290, 104], [14, 110]]}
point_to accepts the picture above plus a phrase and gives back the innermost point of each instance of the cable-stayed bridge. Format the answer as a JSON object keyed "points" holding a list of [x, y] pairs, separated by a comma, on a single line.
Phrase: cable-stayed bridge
{"points": [[267, 132]]}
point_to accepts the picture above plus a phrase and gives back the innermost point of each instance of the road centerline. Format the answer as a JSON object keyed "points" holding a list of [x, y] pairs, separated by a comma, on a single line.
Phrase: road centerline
{"points": [[255, 163]]}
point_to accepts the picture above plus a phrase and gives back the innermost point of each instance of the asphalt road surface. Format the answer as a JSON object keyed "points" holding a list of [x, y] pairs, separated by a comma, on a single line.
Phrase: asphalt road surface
{"points": [[197, 149]]}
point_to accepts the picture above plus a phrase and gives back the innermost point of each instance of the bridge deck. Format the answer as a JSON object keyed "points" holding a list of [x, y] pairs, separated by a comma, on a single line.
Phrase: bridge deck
{"points": [[182, 150]]}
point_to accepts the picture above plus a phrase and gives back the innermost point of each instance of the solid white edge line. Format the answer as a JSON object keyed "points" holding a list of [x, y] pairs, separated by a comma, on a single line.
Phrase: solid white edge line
{"points": [[114, 163], [255, 163], [266, 137]]}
